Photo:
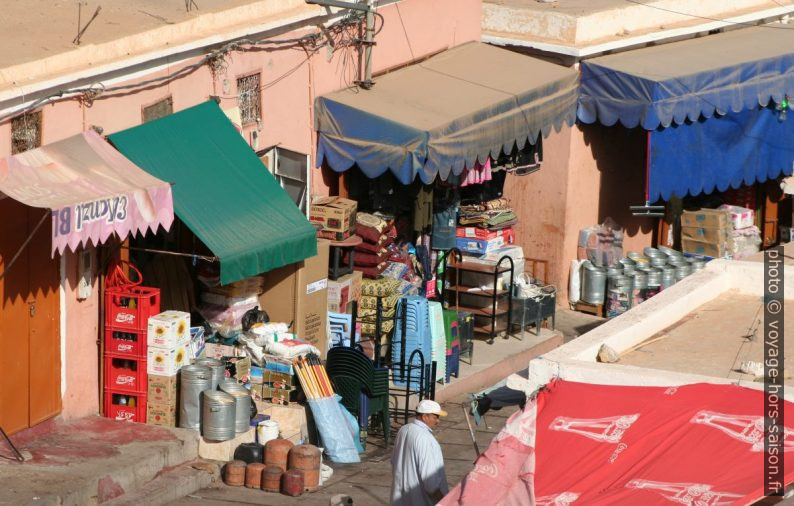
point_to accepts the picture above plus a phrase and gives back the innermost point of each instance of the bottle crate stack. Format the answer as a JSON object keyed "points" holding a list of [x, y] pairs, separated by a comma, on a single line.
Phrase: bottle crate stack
{"points": [[127, 311]]}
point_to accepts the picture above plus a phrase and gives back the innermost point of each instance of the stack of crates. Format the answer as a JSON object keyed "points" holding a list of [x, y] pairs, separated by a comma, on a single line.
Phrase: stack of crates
{"points": [[127, 312]]}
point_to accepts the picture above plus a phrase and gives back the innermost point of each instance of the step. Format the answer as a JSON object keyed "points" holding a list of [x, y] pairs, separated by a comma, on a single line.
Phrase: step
{"points": [[172, 484]]}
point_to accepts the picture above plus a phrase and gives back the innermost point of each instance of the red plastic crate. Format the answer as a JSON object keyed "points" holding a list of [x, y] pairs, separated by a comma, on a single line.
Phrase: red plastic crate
{"points": [[130, 308], [126, 342], [124, 412], [125, 374]]}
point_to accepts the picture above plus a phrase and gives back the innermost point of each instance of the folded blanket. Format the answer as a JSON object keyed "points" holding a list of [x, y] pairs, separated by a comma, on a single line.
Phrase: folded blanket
{"points": [[366, 259]]}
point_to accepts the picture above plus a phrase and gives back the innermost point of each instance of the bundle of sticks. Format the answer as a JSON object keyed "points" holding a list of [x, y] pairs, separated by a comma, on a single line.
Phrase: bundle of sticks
{"points": [[312, 376]]}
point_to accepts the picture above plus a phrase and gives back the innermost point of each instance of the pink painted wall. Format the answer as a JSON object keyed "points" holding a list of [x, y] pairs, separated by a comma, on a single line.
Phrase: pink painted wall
{"points": [[289, 80], [81, 396]]}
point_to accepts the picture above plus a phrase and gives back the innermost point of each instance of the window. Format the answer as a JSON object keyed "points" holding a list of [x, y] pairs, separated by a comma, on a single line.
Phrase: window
{"points": [[25, 132], [158, 110], [248, 97], [291, 170]]}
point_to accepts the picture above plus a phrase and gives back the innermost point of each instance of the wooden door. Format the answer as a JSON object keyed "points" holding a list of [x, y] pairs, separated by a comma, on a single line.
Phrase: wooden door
{"points": [[30, 366]]}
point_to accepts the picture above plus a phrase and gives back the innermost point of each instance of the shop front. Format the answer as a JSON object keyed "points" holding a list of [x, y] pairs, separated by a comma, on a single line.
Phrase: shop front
{"points": [[73, 194], [713, 114]]}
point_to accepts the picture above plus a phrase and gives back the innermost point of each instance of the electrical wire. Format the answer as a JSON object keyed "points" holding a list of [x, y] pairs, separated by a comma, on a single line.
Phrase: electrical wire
{"points": [[738, 23]]}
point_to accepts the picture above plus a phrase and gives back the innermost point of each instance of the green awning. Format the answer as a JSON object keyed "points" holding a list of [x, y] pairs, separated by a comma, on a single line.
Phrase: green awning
{"points": [[222, 191]]}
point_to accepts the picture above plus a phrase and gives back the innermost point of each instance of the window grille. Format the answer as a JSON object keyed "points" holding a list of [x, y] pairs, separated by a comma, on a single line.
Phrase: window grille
{"points": [[248, 97], [158, 110], [25, 132]]}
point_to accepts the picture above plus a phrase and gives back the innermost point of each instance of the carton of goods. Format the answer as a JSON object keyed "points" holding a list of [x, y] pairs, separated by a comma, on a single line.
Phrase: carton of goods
{"points": [[344, 290], [333, 214], [703, 248], [168, 329], [709, 235], [479, 246], [162, 389], [161, 414], [219, 351], [705, 218], [484, 234], [740, 217], [166, 362]]}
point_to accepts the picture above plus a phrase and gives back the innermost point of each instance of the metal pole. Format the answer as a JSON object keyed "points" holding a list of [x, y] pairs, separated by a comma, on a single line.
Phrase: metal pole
{"points": [[368, 36]]}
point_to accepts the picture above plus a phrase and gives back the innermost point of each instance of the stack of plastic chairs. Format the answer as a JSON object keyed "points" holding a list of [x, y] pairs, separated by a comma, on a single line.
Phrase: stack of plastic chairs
{"points": [[417, 337], [452, 358], [438, 339], [363, 388]]}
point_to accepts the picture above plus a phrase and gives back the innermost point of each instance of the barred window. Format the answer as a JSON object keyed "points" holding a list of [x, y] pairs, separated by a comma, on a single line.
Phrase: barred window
{"points": [[25, 132], [158, 110], [248, 97]]}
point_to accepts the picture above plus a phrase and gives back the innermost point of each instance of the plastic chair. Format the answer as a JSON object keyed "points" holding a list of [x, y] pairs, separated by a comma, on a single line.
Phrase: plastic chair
{"points": [[352, 373]]}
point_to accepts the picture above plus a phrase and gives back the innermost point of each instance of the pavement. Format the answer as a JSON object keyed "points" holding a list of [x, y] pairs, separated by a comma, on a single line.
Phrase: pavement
{"points": [[368, 483]]}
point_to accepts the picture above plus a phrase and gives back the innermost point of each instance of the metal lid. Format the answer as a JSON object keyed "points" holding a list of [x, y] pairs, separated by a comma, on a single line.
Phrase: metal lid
{"points": [[653, 252], [236, 390], [209, 362], [196, 372], [218, 397], [627, 261]]}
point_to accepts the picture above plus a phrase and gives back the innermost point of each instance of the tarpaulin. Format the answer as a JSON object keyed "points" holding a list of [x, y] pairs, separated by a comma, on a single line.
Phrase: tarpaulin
{"points": [[222, 191], [672, 83], [446, 113], [577, 443], [720, 153], [92, 190]]}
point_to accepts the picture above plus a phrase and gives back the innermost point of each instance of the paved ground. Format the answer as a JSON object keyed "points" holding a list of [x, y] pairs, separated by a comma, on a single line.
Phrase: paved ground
{"points": [[368, 483]]}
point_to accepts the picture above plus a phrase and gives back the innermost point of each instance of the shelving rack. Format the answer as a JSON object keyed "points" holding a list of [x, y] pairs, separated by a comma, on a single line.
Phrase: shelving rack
{"points": [[501, 299]]}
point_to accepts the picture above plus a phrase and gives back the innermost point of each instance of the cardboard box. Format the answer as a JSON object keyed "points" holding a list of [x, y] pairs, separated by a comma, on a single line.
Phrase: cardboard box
{"points": [[163, 362], [161, 414], [219, 351], [343, 291], [709, 235], [703, 248], [334, 214], [256, 376], [508, 234], [705, 218], [479, 246], [169, 330], [162, 389], [335, 236], [298, 293], [291, 419]]}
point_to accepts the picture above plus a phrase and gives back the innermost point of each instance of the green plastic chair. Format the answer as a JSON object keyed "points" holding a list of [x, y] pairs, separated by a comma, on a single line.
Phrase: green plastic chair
{"points": [[352, 375]]}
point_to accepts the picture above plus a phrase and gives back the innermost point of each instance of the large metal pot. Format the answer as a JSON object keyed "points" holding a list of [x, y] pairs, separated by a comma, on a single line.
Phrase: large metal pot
{"points": [[242, 410], [594, 281], [194, 380], [217, 368], [218, 416]]}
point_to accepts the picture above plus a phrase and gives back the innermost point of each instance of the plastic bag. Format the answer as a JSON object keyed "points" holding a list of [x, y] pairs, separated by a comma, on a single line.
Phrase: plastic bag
{"points": [[353, 423], [336, 433], [575, 282], [253, 316]]}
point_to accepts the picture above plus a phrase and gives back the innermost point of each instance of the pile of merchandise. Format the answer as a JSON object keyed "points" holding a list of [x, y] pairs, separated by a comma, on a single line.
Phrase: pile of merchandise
{"points": [[601, 244], [223, 307], [725, 232], [377, 236]]}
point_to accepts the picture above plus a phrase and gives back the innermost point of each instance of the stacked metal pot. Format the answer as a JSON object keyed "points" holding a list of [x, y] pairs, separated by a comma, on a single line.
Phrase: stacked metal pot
{"points": [[635, 278]]}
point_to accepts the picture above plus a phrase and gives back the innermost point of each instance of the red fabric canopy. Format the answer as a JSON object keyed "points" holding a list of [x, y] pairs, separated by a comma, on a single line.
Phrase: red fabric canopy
{"points": [[578, 443]]}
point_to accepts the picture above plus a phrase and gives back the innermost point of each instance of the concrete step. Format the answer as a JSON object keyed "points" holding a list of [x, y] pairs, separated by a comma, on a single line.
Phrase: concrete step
{"points": [[92, 460], [172, 484]]}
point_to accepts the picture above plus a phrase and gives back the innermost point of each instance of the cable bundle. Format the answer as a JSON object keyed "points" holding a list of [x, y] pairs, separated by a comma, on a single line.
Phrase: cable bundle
{"points": [[313, 377]]}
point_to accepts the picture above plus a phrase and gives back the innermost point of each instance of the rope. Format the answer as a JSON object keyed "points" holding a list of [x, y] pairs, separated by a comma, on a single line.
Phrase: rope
{"points": [[117, 279]]}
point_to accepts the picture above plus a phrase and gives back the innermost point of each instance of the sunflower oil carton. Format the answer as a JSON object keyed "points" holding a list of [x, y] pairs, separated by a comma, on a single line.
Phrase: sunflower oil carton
{"points": [[169, 330], [166, 362]]}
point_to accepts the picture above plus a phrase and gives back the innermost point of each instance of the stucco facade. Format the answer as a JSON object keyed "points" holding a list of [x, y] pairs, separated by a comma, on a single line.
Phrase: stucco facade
{"points": [[290, 80]]}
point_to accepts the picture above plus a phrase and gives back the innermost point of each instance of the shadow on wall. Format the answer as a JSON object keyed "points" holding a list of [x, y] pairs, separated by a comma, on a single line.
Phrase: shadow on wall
{"points": [[619, 154]]}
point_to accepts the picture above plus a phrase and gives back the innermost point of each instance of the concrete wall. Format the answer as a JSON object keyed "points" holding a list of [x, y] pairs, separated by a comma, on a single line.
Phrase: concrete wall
{"points": [[290, 80]]}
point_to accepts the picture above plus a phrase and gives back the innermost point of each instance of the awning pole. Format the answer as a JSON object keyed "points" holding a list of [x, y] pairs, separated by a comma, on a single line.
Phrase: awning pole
{"points": [[24, 245], [174, 253]]}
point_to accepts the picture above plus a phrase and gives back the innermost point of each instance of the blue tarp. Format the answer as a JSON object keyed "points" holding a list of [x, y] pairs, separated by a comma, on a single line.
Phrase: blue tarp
{"points": [[684, 81], [724, 151], [436, 117]]}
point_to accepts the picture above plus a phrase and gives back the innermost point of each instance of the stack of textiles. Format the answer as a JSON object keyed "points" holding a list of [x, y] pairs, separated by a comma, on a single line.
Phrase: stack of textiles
{"points": [[492, 215], [377, 235], [387, 289]]}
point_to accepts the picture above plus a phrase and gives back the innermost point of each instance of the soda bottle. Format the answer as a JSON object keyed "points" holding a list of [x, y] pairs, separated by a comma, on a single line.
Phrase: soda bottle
{"points": [[131, 401], [122, 400]]}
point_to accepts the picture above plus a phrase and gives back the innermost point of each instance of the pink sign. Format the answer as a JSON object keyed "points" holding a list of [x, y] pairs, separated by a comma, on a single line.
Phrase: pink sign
{"points": [[92, 190]]}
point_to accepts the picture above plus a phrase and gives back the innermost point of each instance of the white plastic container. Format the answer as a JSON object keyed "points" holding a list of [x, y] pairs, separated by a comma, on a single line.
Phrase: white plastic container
{"points": [[266, 431]]}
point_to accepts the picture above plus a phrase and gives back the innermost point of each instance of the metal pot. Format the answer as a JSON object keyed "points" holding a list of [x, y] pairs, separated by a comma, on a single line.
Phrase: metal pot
{"points": [[217, 368], [593, 283], [194, 379], [218, 416]]}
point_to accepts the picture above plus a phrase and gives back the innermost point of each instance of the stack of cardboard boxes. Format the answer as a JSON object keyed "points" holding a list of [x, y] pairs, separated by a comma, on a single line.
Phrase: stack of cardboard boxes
{"points": [[725, 232], [343, 291], [168, 338]]}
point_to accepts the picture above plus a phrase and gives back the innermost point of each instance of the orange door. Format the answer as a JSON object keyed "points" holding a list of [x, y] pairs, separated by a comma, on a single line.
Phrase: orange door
{"points": [[30, 366]]}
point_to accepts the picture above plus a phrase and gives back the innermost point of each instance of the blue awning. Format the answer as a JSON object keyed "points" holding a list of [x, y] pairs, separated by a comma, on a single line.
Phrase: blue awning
{"points": [[445, 113], [715, 154], [684, 81]]}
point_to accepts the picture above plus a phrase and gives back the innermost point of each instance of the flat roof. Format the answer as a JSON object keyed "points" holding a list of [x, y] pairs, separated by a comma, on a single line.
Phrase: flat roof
{"points": [[714, 339], [580, 23], [37, 35]]}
